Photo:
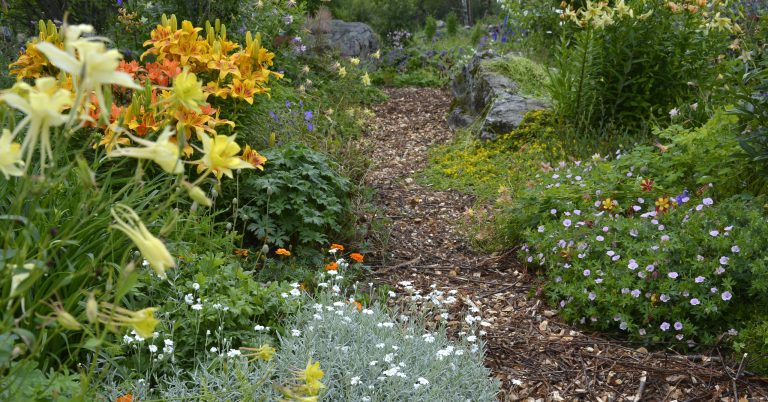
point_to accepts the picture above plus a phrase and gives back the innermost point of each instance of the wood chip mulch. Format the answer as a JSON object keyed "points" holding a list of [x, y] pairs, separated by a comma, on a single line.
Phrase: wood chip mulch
{"points": [[537, 356]]}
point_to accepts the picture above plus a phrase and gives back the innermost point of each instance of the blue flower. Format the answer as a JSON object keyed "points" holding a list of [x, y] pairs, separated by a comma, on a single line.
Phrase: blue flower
{"points": [[288, 104], [308, 116], [274, 116], [310, 127]]}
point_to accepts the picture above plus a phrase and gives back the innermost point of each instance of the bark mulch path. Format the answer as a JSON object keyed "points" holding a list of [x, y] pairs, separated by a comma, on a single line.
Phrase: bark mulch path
{"points": [[535, 355]]}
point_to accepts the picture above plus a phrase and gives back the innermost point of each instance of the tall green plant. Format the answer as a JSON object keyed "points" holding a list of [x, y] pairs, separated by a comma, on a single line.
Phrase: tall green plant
{"points": [[628, 64], [451, 24], [430, 28]]}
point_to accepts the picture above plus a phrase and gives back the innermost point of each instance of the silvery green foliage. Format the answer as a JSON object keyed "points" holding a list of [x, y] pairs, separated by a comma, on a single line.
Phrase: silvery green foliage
{"points": [[368, 356]]}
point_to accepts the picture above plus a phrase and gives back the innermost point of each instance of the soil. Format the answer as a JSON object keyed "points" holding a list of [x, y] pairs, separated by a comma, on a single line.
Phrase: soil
{"points": [[535, 355]]}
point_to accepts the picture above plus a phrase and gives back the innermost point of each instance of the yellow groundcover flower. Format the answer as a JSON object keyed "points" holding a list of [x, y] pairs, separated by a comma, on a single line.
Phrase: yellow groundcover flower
{"points": [[10, 156], [151, 248], [220, 156], [163, 152], [366, 79], [42, 105]]}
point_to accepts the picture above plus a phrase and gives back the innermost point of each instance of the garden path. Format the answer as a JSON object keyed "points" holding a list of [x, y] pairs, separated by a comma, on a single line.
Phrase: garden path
{"points": [[534, 354]]}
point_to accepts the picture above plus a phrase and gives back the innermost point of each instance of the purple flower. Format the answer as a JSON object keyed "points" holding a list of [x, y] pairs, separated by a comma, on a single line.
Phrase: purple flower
{"points": [[678, 325], [599, 238], [679, 337], [664, 326], [632, 264], [673, 275], [308, 115], [567, 223], [724, 260], [720, 270], [735, 249], [274, 116], [635, 293], [699, 279], [592, 296], [695, 302], [288, 104], [587, 272], [726, 296], [664, 298], [310, 127], [120, 3]]}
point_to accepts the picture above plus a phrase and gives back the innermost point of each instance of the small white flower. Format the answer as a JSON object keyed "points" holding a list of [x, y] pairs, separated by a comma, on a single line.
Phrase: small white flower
{"points": [[355, 381], [214, 349], [196, 286], [295, 332], [152, 349], [233, 353], [197, 307]]}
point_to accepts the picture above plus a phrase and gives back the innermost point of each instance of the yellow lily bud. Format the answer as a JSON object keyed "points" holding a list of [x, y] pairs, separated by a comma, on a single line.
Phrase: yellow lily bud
{"points": [[197, 195], [92, 308]]}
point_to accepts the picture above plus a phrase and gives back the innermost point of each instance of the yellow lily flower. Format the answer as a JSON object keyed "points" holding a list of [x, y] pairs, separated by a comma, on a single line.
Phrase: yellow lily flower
{"points": [[89, 62], [312, 375], [151, 248], [342, 72], [10, 156], [366, 79], [142, 321], [163, 152], [220, 156], [42, 105], [188, 91], [264, 352]]}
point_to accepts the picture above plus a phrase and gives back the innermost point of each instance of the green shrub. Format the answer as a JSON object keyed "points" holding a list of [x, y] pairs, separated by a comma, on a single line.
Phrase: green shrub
{"points": [[298, 201], [451, 24], [658, 243]]}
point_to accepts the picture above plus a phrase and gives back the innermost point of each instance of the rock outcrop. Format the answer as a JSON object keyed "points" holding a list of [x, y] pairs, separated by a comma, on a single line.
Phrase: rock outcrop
{"points": [[350, 39], [481, 94]]}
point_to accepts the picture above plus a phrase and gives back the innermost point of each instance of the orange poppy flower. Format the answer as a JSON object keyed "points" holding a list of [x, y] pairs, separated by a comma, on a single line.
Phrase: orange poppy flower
{"points": [[358, 305], [241, 252], [284, 252], [332, 266], [125, 398], [357, 257], [337, 247]]}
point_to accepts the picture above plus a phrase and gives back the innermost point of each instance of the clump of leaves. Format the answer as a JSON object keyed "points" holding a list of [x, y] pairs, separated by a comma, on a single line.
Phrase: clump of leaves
{"points": [[298, 201]]}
